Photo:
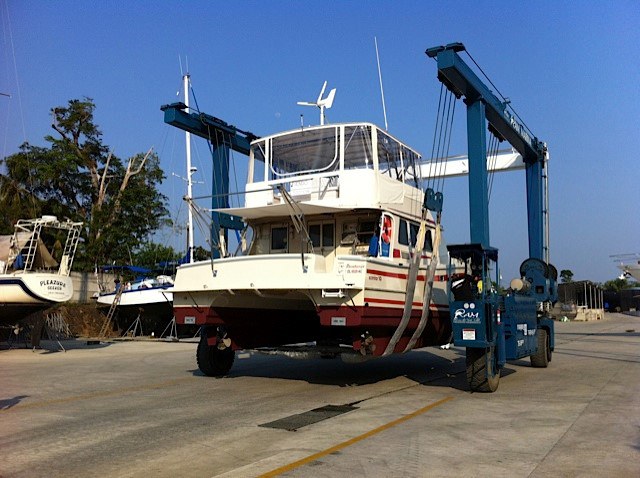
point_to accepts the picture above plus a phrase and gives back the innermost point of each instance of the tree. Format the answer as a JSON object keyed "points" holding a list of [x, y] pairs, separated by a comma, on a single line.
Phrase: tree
{"points": [[616, 285], [152, 256], [566, 276], [78, 177]]}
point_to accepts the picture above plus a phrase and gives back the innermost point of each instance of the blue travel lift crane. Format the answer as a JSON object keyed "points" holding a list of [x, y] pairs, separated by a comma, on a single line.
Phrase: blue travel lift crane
{"points": [[222, 138], [496, 327]]}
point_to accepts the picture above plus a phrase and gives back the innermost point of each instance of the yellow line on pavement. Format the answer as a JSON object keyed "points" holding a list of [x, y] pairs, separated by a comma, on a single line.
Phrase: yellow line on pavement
{"points": [[340, 446]]}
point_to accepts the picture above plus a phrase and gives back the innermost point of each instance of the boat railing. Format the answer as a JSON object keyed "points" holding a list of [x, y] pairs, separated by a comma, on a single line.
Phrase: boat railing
{"points": [[306, 187]]}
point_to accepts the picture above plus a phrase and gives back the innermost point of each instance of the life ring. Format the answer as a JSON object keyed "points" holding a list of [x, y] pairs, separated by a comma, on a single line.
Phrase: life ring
{"points": [[386, 229]]}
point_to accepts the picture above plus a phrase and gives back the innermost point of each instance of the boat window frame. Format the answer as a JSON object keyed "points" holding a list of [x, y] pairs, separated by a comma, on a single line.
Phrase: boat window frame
{"points": [[274, 227], [321, 245]]}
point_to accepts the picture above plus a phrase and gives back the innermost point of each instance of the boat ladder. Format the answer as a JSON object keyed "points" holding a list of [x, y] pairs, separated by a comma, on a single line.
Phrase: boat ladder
{"points": [[31, 247], [111, 313], [69, 251]]}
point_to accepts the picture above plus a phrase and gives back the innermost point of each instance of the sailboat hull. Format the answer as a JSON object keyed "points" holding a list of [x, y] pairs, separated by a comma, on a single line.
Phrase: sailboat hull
{"points": [[153, 306], [23, 294]]}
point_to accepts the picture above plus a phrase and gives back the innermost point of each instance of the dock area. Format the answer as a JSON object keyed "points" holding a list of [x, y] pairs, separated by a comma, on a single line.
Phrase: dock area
{"points": [[142, 408]]}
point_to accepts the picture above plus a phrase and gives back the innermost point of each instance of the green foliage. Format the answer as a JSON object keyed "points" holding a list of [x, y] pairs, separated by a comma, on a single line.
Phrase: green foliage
{"points": [[566, 276], [201, 254], [77, 177], [617, 285], [151, 254]]}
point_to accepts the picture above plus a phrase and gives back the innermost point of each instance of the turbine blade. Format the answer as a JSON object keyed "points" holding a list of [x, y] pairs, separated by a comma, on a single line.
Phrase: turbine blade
{"points": [[328, 101], [324, 86]]}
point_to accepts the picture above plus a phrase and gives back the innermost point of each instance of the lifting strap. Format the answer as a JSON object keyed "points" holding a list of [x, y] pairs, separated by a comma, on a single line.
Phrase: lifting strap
{"points": [[414, 268], [428, 290]]}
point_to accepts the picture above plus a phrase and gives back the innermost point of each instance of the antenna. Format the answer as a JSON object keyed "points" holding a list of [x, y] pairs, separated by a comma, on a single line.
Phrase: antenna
{"points": [[190, 170], [321, 103], [384, 108]]}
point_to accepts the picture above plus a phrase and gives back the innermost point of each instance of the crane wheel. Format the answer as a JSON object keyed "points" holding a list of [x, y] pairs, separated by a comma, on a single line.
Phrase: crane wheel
{"points": [[483, 374], [542, 357], [212, 361]]}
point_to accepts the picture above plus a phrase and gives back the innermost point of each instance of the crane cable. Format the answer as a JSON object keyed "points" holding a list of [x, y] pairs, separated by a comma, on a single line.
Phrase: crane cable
{"points": [[492, 158], [441, 140]]}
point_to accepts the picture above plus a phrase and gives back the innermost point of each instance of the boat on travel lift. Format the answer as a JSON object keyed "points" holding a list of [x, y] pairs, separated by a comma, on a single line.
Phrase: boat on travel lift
{"points": [[334, 263], [31, 279]]}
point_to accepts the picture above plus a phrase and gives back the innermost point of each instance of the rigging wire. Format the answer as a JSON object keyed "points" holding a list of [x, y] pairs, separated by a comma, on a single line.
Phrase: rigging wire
{"points": [[435, 134], [447, 143], [504, 99], [19, 96], [442, 140]]}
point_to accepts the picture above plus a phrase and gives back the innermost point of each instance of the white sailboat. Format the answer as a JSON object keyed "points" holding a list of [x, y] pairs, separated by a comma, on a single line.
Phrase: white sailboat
{"points": [[31, 279]]}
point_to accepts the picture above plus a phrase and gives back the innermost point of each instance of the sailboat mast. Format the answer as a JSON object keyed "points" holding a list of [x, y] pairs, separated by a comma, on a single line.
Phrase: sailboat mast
{"points": [[190, 172]]}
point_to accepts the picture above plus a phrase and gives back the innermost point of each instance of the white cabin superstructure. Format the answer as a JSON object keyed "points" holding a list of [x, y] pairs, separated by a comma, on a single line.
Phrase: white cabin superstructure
{"points": [[314, 199]]}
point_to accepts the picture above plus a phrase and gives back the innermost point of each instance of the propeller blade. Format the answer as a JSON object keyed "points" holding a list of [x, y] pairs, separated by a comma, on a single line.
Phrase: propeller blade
{"points": [[324, 86], [328, 101]]}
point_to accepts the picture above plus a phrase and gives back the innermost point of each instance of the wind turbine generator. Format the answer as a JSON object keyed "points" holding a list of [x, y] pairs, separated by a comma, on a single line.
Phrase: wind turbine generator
{"points": [[321, 103]]}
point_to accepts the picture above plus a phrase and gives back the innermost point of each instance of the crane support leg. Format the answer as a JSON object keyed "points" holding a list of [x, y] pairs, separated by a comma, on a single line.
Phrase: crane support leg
{"points": [[478, 193], [535, 207]]}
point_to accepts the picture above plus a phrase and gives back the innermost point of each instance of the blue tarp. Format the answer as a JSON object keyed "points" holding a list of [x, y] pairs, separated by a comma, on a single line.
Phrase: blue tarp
{"points": [[135, 269]]}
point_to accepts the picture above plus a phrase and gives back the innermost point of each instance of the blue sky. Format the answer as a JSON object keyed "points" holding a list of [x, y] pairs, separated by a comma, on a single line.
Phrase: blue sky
{"points": [[570, 69]]}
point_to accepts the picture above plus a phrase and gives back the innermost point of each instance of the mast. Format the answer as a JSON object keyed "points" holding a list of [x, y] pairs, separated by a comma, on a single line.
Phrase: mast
{"points": [[190, 172]]}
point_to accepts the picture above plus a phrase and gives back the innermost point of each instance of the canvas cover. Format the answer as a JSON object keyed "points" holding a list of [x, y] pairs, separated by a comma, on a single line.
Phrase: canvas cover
{"points": [[43, 259]]}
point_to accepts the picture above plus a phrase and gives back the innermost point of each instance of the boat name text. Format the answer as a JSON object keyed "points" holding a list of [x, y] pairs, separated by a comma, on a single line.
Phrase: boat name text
{"points": [[52, 284]]}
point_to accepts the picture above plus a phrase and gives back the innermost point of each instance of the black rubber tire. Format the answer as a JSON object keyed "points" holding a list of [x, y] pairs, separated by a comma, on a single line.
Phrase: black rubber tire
{"points": [[542, 357], [479, 378], [212, 361]]}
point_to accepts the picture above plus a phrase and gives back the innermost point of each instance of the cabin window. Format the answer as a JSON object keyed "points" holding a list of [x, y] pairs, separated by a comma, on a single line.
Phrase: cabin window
{"points": [[349, 233], [403, 234], [314, 234], [358, 151], [279, 236], [328, 235], [408, 235], [258, 162], [322, 235], [304, 152], [428, 242], [366, 230], [413, 232], [389, 157]]}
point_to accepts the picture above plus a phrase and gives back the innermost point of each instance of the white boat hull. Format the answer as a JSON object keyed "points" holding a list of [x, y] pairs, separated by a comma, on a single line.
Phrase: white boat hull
{"points": [[154, 306], [138, 298], [286, 304], [25, 293]]}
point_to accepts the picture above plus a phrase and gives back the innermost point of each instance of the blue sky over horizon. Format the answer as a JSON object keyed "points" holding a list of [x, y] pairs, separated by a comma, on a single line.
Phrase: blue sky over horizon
{"points": [[571, 71]]}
